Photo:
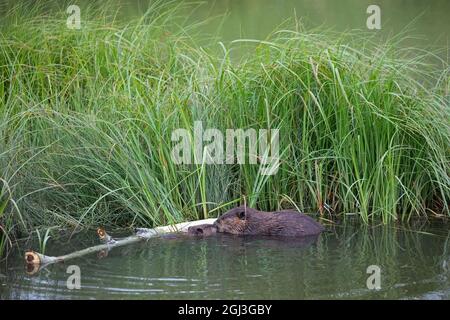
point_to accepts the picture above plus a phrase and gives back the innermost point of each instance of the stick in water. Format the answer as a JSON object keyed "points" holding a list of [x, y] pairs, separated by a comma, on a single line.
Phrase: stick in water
{"points": [[35, 261]]}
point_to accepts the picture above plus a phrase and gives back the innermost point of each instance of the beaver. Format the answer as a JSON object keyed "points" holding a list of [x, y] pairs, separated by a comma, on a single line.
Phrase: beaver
{"points": [[247, 221], [202, 230]]}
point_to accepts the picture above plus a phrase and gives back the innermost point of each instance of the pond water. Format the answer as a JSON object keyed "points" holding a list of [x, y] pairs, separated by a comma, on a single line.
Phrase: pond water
{"points": [[414, 264], [426, 22]]}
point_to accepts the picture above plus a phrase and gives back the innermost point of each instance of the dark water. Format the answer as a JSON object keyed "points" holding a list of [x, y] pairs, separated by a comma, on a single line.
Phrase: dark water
{"points": [[414, 264]]}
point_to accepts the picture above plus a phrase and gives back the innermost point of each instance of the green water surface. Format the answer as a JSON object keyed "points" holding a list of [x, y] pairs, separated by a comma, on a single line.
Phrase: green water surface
{"points": [[414, 264]]}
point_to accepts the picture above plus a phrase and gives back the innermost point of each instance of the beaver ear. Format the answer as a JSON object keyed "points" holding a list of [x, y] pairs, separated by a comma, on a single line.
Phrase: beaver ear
{"points": [[241, 214], [199, 230]]}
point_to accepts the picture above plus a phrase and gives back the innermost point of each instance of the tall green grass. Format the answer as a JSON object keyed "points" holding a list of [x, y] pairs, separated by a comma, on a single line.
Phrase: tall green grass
{"points": [[87, 117]]}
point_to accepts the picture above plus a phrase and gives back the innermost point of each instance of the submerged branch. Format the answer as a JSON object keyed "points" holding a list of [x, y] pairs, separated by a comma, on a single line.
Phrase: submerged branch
{"points": [[36, 261]]}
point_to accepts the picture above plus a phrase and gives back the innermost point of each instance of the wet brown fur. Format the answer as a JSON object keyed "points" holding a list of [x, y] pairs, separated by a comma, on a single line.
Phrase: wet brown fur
{"points": [[202, 230], [247, 221]]}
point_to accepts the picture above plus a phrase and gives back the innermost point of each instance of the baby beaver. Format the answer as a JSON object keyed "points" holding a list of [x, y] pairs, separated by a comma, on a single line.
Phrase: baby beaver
{"points": [[247, 221], [202, 230]]}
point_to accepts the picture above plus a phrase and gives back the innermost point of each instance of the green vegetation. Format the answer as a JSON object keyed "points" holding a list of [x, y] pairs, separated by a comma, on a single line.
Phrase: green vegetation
{"points": [[43, 240], [86, 118]]}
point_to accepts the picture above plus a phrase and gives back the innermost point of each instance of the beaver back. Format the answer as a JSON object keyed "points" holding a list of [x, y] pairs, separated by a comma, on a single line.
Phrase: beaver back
{"points": [[248, 221]]}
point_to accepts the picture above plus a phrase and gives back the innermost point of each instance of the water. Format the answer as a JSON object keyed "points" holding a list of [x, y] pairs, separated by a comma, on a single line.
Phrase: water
{"points": [[414, 264], [425, 21]]}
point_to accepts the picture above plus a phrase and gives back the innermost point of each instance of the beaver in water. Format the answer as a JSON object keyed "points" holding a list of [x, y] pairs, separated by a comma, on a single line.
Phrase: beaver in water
{"points": [[247, 221], [202, 230]]}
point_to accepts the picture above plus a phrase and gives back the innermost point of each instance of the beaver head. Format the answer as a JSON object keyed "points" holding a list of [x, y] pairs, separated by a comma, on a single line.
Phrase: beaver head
{"points": [[233, 221], [202, 230]]}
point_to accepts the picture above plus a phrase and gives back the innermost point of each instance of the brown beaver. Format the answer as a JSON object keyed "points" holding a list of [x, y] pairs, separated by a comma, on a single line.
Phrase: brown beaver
{"points": [[247, 221], [202, 230]]}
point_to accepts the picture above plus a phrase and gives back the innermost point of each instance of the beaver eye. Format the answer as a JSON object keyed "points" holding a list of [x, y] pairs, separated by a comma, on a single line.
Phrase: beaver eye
{"points": [[241, 215], [199, 230]]}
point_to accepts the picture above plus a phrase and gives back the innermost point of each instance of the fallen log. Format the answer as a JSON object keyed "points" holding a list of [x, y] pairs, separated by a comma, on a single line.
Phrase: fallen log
{"points": [[36, 261]]}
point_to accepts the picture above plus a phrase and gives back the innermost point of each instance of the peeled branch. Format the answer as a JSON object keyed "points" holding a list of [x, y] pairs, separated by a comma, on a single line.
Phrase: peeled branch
{"points": [[36, 261]]}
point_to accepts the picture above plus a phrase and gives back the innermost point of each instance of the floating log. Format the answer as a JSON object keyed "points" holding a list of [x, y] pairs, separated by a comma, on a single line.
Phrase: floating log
{"points": [[36, 261]]}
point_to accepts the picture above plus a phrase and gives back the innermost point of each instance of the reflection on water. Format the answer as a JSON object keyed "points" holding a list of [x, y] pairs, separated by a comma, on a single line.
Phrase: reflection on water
{"points": [[414, 264]]}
